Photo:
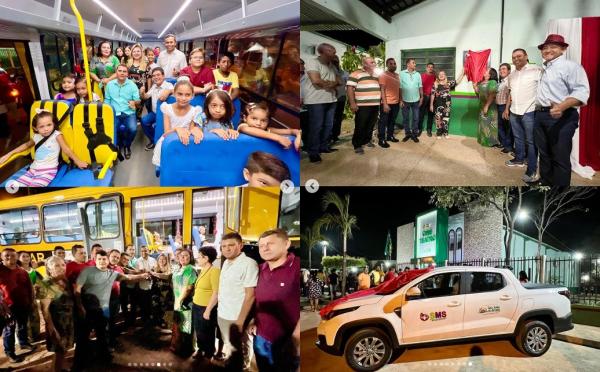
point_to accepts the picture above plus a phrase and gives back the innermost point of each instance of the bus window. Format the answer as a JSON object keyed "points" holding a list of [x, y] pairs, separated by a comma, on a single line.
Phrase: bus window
{"points": [[256, 62], [61, 223], [156, 218], [19, 226], [208, 209], [103, 219], [211, 49], [233, 208], [289, 212], [65, 54], [52, 63], [287, 77]]}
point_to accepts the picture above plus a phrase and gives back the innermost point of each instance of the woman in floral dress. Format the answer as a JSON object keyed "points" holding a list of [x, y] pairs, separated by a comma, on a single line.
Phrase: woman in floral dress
{"points": [[487, 130], [183, 287], [57, 303], [441, 102]]}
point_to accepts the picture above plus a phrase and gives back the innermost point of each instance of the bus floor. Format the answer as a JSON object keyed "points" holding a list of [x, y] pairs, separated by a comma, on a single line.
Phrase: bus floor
{"points": [[455, 161], [137, 170], [141, 349]]}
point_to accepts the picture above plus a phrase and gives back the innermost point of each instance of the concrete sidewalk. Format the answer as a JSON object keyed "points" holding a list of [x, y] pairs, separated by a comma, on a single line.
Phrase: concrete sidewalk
{"points": [[456, 161], [581, 335]]}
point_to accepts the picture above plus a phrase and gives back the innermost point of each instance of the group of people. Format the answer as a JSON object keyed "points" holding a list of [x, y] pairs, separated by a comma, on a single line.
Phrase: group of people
{"points": [[527, 112], [231, 308], [138, 79], [314, 282]]}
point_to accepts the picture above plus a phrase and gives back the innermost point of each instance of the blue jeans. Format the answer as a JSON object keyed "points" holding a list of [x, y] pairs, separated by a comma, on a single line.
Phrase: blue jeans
{"points": [[504, 132], [126, 129], [320, 122], [274, 357], [20, 317], [387, 121], [522, 128], [148, 122], [411, 128]]}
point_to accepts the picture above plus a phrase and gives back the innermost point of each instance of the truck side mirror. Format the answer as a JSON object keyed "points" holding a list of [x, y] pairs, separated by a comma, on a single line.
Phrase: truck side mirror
{"points": [[413, 293]]}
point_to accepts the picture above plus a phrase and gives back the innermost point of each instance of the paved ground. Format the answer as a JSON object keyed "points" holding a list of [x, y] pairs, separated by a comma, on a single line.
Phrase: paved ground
{"points": [[483, 356], [456, 161]]}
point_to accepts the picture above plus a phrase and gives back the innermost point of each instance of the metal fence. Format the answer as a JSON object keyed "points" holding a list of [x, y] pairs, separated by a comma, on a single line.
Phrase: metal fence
{"points": [[580, 275]]}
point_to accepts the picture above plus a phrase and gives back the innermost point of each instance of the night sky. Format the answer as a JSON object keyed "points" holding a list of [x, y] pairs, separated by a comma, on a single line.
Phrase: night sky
{"points": [[382, 209]]}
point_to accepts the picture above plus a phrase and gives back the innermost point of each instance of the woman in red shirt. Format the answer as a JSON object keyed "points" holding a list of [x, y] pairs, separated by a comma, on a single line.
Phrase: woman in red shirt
{"points": [[200, 75]]}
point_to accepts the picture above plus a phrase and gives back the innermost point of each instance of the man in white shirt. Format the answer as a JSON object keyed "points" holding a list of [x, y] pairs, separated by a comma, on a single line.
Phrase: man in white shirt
{"points": [[172, 59], [145, 264], [564, 86], [239, 275], [520, 109], [159, 86]]}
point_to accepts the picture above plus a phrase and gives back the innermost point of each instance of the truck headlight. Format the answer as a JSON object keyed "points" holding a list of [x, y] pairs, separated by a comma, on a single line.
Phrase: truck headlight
{"points": [[335, 313]]}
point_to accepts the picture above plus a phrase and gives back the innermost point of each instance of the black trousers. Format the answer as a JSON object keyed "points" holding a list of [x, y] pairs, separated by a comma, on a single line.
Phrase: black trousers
{"points": [[364, 123], [424, 111], [145, 303], [338, 117], [554, 140], [95, 319], [128, 297]]}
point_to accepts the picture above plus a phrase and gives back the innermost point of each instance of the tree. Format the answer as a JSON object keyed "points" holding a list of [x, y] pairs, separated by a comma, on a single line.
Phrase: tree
{"points": [[337, 262], [311, 237], [341, 219], [556, 203], [498, 197]]}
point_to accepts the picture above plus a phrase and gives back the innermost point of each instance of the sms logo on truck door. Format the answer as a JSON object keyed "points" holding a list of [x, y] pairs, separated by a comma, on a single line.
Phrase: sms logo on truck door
{"points": [[434, 315]]}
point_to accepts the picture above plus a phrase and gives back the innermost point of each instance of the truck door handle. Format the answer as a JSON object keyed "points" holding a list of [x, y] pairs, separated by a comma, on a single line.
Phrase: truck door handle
{"points": [[505, 298], [454, 304]]}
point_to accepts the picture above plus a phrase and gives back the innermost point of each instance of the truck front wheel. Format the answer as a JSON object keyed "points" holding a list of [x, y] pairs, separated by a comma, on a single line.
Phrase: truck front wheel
{"points": [[534, 338], [368, 350]]}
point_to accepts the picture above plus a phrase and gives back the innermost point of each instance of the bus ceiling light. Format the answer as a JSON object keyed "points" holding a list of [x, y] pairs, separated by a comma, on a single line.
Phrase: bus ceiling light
{"points": [[109, 11], [185, 5]]}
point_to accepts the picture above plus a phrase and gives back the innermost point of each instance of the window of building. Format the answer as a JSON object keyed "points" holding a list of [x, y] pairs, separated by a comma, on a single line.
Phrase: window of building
{"points": [[208, 216], [447, 284], [443, 58], [103, 219], [485, 282], [289, 212], [61, 223], [158, 220], [19, 226]]}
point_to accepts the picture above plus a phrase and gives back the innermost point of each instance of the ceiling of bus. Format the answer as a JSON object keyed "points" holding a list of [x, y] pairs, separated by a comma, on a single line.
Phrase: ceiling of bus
{"points": [[149, 17]]}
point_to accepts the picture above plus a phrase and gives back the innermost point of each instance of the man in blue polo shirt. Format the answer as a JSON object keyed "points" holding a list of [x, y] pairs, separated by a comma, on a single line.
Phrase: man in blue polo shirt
{"points": [[123, 95], [411, 89]]}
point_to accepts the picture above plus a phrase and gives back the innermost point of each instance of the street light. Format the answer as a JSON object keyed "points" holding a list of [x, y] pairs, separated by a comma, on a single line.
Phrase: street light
{"points": [[585, 277], [522, 214], [324, 244], [578, 255]]}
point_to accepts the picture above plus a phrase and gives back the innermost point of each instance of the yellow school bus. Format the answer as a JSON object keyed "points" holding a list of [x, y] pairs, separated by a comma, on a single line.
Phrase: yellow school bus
{"points": [[117, 216]]}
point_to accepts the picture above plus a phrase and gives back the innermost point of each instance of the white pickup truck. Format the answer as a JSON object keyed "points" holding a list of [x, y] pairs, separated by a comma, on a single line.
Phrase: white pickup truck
{"points": [[442, 305]]}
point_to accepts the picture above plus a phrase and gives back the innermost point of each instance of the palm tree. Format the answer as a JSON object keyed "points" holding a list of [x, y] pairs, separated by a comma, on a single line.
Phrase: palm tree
{"points": [[343, 220], [311, 237]]}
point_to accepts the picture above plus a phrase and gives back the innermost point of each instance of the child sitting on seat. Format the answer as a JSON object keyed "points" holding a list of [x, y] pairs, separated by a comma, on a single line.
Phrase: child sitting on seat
{"points": [[67, 89], [256, 121], [82, 92], [180, 117], [263, 169], [219, 111], [48, 142]]}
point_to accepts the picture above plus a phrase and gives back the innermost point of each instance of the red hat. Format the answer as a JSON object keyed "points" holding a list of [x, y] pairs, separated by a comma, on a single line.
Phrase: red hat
{"points": [[554, 39]]}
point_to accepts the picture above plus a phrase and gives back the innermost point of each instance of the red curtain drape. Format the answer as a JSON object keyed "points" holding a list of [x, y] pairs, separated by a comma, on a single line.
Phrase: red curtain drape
{"points": [[589, 130]]}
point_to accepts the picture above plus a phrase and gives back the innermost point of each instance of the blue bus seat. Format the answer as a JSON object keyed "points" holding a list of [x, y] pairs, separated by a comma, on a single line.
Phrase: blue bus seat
{"points": [[215, 162]]}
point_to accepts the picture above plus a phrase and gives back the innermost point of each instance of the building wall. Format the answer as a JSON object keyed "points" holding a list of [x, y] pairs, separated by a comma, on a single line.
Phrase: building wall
{"points": [[476, 25], [310, 40], [526, 246], [483, 233], [405, 238]]}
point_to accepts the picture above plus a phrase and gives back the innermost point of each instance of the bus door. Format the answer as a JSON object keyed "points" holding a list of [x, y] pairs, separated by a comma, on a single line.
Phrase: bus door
{"points": [[102, 222]]}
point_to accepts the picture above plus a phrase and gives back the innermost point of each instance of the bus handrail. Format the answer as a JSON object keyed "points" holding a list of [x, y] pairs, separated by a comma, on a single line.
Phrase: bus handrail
{"points": [[86, 64]]}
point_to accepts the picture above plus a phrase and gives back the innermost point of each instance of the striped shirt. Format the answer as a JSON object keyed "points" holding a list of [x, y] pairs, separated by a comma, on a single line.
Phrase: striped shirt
{"points": [[367, 91]]}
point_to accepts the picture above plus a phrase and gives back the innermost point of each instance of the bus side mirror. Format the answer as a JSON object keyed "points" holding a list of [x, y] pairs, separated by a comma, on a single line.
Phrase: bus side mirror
{"points": [[413, 293]]}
